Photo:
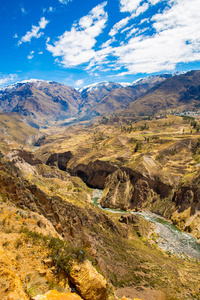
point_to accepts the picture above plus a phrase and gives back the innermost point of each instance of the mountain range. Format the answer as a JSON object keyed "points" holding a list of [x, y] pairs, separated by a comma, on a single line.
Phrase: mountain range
{"points": [[43, 103]]}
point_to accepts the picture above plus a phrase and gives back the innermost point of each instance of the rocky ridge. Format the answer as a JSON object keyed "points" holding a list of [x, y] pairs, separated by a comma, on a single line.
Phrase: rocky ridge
{"points": [[44, 103]]}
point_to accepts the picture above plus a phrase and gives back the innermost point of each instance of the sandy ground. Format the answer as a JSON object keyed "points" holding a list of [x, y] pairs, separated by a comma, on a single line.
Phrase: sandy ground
{"points": [[141, 293]]}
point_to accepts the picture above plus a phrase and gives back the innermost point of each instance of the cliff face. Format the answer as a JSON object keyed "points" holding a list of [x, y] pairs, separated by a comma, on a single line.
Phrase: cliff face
{"points": [[60, 160], [95, 173], [127, 189], [186, 199]]}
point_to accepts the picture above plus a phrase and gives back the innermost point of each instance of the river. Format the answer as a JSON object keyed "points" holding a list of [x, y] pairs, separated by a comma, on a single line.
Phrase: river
{"points": [[169, 237]]}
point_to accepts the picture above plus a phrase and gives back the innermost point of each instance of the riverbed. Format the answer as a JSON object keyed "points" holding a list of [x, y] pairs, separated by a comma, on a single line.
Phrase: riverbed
{"points": [[167, 236]]}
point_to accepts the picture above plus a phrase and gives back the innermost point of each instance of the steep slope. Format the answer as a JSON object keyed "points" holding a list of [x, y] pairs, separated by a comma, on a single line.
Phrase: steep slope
{"points": [[121, 97], [176, 93], [153, 80], [118, 99], [40, 100], [15, 132], [95, 92]]}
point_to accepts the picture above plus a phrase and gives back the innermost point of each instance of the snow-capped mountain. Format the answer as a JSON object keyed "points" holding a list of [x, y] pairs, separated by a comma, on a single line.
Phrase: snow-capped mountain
{"points": [[151, 80], [19, 83], [99, 85]]}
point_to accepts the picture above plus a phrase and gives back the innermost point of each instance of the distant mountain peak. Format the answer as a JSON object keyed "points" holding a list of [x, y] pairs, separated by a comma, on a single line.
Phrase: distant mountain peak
{"points": [[16, 84], [151, 78], [32, 80], [95, 86]]}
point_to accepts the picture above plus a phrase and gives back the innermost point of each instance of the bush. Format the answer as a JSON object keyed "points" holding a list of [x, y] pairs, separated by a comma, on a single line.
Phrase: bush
{"points": [[136, 147], [62, 253]]}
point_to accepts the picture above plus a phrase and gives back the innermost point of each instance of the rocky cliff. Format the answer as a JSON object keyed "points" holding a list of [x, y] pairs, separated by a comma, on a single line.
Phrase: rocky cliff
{"points": [[186, 199], [130, 190]]}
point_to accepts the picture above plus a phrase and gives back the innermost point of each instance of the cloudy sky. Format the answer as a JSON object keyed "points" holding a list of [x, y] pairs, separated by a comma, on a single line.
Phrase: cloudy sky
{"points": [[79, 42]]}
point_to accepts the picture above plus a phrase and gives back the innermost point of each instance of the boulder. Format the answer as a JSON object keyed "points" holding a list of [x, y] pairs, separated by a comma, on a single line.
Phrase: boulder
{"points": [[88, 282], [54, 295]]}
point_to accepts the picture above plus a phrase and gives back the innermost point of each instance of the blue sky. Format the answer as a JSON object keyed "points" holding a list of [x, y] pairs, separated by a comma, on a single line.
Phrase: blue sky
{"points": [[78, 42]]}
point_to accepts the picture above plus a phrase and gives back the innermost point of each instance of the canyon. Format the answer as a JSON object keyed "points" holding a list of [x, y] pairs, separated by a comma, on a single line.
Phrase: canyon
{"points": [[62, 152]]}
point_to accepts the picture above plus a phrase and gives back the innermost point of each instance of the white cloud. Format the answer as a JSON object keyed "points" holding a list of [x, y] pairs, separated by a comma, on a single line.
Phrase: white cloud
{"points": [[15, 36], [64, 1], [35, 32], [129, 5], [107, 43], [79, 82], [31, 55], [154, 2], [122, 23], [23, 11], [167, 38], [127, 28], [144, 20], [177, 40], [131, 32], [43, 22], [8, 79], [140, 10], [119, 25], [75, 47], [51, 9]]}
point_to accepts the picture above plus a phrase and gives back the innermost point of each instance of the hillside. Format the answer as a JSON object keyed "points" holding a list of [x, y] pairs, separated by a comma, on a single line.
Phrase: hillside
{"points": [[176, 93], [42, 101], [119, 98], [15, 132], [47, 103]]}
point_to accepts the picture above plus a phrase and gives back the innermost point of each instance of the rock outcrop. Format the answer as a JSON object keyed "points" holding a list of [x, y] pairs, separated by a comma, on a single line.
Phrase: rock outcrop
{"points": [[127, 189], [60, 160], [28, 157], [95, 173], [89, 283], [187, 214], [54, 295], [71, 221], [25, 161]]}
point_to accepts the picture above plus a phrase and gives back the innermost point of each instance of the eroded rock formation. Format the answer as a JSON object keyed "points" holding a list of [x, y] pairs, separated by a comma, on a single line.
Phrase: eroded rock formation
{"points": [[95, 173], [127, 189], [187, 214], [89, 283], [60, 160]]}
